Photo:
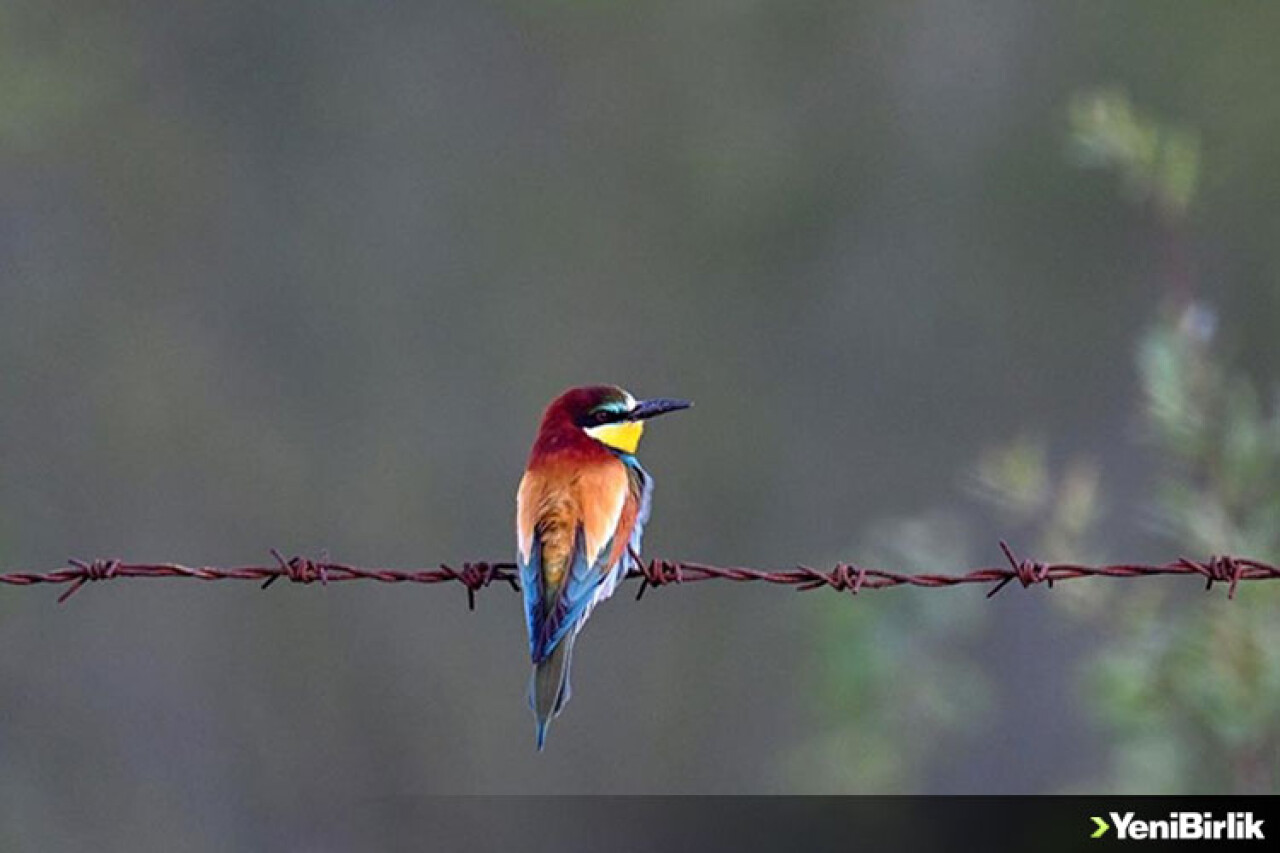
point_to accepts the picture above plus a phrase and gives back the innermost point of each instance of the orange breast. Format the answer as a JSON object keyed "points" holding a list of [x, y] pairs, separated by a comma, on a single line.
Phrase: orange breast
{"points": [[559, 495]]}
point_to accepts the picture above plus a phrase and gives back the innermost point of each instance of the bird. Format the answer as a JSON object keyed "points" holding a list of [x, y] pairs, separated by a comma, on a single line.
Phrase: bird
{"points": [[581, 509]]}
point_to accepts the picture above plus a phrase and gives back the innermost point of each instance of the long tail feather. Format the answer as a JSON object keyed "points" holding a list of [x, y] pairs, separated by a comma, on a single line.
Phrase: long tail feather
{"points": [[549, 689]]}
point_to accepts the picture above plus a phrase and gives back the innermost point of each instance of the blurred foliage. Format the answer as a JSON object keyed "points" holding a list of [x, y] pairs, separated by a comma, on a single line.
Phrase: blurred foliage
{"points": [[896, 699], [901, 704], [1016, 479], [1185, 687], [1192, 688], [1157, 161]]}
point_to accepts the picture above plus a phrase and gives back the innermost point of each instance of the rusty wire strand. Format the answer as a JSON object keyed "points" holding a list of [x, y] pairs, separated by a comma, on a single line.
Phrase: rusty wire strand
{"points": [[474, 576]]}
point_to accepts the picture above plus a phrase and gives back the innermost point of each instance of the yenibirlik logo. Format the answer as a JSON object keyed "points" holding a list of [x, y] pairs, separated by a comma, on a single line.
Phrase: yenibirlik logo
{"points": [[1183, 826]]}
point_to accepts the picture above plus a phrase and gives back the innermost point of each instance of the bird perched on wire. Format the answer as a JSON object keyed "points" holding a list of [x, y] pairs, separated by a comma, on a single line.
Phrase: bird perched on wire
{"points": [[580, 511]]}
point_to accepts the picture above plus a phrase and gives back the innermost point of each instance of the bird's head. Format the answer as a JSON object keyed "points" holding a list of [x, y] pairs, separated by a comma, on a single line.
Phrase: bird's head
{"points": [[607, 414]]}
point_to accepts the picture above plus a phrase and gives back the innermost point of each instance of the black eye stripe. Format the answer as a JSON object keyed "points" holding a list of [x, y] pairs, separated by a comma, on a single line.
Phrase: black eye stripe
{"points": [[599, 417]]}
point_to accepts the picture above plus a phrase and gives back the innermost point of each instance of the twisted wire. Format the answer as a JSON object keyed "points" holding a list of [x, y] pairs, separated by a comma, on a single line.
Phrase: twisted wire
{"points": [[474, 576]]}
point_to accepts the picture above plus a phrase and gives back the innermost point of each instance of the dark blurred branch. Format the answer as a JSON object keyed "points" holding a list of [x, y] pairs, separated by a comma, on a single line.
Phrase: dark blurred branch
{"points": [[474, 576]]}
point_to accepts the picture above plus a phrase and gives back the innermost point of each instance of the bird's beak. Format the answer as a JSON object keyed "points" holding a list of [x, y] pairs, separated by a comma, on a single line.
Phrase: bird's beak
{"points": [[659, 406]]}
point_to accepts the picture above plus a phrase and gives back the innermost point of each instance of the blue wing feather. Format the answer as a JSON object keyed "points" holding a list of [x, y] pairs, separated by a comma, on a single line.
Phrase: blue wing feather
{"points": [[580, 585], [642, 516], [531, 589]]}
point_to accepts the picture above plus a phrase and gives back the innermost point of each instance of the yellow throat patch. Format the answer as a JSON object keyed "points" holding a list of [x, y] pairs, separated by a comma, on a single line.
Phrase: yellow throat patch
{"points": [[624, 435]]}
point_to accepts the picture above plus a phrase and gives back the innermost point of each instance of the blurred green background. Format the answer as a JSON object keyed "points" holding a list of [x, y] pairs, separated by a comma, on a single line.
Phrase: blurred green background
{"points": [[303, 276]]}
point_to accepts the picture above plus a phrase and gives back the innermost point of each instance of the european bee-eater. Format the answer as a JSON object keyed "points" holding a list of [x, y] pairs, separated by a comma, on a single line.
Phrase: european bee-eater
{"points": [[580, 512]]}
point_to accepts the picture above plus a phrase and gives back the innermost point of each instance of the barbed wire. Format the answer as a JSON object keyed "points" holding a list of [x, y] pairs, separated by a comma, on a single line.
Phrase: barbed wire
{"points": [[475, 576]]}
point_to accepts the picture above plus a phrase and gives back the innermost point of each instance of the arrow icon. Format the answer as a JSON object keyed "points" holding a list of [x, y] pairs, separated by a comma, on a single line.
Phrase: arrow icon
{"points": [[1102, 827]]}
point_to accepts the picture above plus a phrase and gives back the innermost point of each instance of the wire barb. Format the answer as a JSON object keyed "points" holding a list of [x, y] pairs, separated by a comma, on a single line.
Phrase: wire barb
{"points": [[474, 576], [1223, 568], [298, 570], [1027, 572], [655, 573], [96, 570]]}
